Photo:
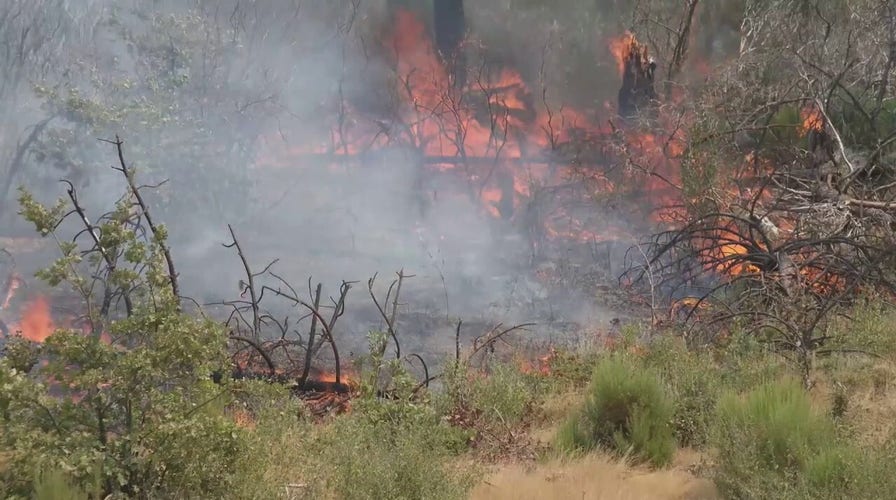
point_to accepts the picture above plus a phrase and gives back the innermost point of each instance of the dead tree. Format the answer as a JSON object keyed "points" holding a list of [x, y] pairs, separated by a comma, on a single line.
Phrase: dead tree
{"points": [[450, 28], [637, 91]]}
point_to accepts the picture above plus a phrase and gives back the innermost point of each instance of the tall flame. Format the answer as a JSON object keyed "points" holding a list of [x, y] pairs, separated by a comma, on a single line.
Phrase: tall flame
{"points": [[620, 47], [37, 323]]}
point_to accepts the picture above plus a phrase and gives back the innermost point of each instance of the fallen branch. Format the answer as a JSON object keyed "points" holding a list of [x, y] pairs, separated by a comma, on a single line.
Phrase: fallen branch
{"points": [[255, 345]]}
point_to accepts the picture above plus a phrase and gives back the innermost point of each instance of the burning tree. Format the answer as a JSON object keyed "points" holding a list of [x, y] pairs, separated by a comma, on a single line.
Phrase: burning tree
{"points": [[787, 183], [638, 70]]}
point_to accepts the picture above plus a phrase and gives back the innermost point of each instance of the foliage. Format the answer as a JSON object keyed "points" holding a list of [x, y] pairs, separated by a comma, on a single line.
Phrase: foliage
{"points": [[392, 450], [773, 444], [54, 485], [746, 362], [134, 407], [170, 79], [694, 382], [503, 397], [869, 330], [21, 354], [626, 409]]}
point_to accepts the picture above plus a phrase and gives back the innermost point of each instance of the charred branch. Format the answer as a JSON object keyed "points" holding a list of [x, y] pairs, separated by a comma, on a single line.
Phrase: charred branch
{"points": [[18, 161], [260, 350], [135, 190], [327, 325], [450, 30], [389, 319], [110, 260], [312, 334], [250, 284]]}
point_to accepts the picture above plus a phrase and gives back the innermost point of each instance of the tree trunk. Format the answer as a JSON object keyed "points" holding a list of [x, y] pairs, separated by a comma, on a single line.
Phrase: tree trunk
{"points": [[450, 28], [637, 91]]}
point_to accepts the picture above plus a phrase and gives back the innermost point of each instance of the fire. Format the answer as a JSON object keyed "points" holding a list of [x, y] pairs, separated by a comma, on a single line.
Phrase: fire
{"points": [[812, 120], [540, 366], [621, 48], [36, 323], [494, 133]]}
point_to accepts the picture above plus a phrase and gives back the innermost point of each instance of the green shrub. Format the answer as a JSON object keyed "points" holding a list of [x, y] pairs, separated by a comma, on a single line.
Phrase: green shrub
{"points": [[139, 416], [773, 444], [627, 410], [56, 485], [573, 368], [391, 450], [869, 329], [746, 362], [694, 382], [504, 397]]}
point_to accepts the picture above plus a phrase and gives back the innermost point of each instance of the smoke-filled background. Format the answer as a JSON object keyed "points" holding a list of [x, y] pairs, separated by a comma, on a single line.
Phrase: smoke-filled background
{"points": [[234, 105]]}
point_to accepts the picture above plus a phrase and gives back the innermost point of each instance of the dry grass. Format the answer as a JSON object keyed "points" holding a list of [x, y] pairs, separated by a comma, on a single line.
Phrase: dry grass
{"points": [[871, 407], [594, 477]]}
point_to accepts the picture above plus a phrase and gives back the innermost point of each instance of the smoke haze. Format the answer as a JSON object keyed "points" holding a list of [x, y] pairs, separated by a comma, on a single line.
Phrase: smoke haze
{"points": [[227, 99]]}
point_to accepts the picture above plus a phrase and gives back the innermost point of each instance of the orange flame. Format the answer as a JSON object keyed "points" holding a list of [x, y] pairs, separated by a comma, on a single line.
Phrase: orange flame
{"points": [[621, 47], [540, 366], [37, 323], [813, 120]]}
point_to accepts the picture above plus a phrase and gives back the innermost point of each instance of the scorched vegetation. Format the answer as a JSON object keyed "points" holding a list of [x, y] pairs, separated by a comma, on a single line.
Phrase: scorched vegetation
{"points": [[519, 249]]}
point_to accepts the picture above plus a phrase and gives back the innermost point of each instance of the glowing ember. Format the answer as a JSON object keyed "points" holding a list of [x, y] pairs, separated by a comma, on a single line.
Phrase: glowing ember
{"points": [[242, 418]]}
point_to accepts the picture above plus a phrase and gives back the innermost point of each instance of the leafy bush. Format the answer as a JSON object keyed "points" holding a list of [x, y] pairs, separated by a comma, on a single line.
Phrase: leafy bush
{"points": [[572, 369], [137, 410], [391, 450], [745, 362], [627, 409], [694, 382], [504, 397], [772, 444]]}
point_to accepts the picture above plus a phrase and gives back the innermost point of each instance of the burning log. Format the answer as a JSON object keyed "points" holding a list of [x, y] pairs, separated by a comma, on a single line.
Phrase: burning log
{"points": [[450, 29], [321, 404], [637, 91]]}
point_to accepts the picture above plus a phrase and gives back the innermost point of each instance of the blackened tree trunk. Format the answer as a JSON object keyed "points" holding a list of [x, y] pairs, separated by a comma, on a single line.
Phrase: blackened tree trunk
{"points": [[637, 91], [450, 28]]}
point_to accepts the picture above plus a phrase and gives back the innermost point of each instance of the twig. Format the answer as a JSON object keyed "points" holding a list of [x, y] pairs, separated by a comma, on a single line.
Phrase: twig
{"points": [[256, 319], [129, 176], [389, 318], [493, 336], [111, 264], [255, 345], [312, 334]]}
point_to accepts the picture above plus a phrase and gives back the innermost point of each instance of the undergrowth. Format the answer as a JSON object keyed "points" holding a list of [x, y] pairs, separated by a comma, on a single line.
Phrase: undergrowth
{"points": [[627, 410]]}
